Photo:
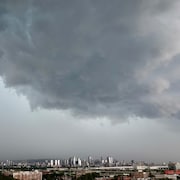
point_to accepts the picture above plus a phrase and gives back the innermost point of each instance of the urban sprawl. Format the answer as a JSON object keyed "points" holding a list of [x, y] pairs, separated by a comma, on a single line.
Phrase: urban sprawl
{"points": [[89, 169]]}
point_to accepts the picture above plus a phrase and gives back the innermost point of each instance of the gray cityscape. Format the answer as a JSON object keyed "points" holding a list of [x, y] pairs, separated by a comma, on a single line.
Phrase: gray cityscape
{"points": [[100, 169], [89, 89]]}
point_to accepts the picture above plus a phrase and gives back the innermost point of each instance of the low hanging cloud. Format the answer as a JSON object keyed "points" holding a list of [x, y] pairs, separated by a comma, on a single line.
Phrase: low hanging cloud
{"points": [[103, 58]]}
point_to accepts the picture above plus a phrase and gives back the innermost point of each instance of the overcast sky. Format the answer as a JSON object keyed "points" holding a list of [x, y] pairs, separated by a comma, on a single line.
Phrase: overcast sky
{"points": [[87, 77]]}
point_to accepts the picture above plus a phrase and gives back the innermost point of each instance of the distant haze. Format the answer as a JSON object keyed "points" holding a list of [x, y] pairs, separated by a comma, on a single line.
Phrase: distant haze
{"points": [[90, 77]]}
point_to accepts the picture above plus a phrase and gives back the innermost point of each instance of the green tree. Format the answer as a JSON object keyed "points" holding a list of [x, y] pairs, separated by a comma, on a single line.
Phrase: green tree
{"points": [[2, 177]]}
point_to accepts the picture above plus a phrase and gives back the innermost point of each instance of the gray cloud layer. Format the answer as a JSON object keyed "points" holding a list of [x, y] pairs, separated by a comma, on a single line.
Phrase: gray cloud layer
{"points": [[97, 58]]}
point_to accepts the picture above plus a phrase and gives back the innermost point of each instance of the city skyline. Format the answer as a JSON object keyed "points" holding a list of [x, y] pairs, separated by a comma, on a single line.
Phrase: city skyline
{"points": [[73, 161], [90, 77]]}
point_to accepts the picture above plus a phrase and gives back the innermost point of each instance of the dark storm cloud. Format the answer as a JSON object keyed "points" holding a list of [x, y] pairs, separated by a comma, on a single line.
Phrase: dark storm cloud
{"points": [[3, 11], [96, 58]]}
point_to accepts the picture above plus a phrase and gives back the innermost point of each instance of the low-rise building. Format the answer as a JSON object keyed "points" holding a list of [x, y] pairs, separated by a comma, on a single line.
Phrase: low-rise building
{"points": [[27, 175]]}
